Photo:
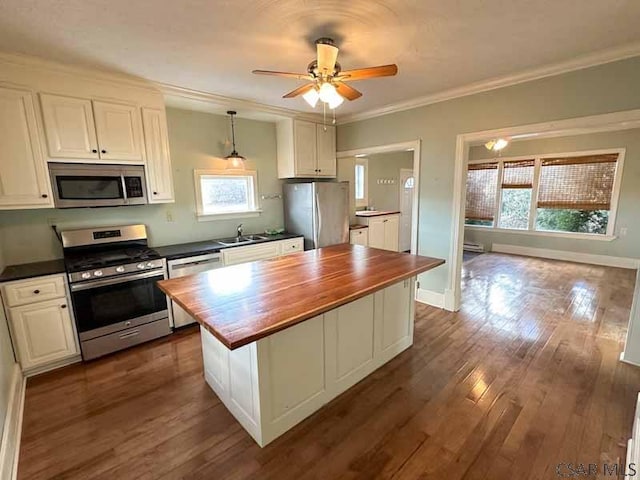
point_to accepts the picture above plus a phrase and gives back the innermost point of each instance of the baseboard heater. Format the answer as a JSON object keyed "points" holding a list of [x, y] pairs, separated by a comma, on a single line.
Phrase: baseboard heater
{"points": [[473, 247]]}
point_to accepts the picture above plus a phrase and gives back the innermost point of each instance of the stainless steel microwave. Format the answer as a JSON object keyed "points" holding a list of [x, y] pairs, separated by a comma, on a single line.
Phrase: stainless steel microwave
{"points": [[84, 185]]}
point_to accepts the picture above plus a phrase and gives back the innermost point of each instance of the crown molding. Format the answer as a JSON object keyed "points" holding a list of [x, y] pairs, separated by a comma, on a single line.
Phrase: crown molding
{"points": [[246, 108], [577, 63], [78, 71]]}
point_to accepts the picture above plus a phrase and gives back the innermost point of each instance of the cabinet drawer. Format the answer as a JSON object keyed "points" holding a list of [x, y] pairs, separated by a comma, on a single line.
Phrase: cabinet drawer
{"points": [[250, 253], [291, 246], [34, 290]]}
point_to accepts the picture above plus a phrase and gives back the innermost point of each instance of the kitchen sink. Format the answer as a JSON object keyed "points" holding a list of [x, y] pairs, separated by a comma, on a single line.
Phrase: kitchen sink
{"points": [[240, 240]]}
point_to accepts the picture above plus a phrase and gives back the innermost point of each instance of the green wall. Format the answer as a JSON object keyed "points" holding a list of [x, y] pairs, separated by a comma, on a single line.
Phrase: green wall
{"points": [[387, 166], [197, 140], [628, 246], [606, 88]]}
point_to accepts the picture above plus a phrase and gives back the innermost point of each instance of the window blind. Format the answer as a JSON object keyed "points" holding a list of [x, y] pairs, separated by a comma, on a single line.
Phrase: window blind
{"points": [[518, 174], [482, 182], [580, 183]]}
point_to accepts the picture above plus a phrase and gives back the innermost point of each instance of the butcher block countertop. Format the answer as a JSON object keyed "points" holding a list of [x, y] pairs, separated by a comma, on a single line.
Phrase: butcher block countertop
{"points": [[244, 303]]}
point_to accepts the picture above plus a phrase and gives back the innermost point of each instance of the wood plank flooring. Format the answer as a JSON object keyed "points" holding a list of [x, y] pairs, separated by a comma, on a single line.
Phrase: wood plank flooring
{"points": [[525, 376]]}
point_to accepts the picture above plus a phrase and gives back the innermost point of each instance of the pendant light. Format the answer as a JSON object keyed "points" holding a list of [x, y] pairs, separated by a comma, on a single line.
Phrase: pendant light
{"points": [[235, 161]]}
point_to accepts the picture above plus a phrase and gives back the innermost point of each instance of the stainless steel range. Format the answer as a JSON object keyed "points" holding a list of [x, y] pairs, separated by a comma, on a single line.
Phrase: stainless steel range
{"points": [[112, 277]]}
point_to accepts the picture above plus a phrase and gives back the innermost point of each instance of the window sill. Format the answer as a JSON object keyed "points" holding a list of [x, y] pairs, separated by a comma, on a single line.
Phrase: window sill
{"points": [[574, 236], [210, 217]]}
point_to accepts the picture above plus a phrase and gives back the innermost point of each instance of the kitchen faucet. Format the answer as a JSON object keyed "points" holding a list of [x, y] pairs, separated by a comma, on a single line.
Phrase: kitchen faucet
{"points": [[239, 231]]}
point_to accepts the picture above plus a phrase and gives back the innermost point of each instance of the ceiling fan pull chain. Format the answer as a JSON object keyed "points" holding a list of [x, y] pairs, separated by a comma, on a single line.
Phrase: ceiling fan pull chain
{"points": [[324, 116], [334, 117]]}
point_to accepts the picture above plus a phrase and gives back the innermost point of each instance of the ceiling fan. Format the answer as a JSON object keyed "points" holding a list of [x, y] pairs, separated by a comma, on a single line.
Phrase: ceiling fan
{"points": [[327, 80]]}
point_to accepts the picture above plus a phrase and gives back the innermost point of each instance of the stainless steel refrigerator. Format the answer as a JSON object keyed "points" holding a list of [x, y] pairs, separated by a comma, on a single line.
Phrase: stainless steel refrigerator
{"points": [[319, 211]]}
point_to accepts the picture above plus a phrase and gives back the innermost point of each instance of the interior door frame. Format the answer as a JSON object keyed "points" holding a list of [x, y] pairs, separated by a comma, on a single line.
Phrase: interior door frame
{"points": [[414, 146], [625, 120], [400, 196]]}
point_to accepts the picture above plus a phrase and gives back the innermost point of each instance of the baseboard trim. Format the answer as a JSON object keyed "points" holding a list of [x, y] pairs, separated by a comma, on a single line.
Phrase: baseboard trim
{"points": [[625, 360], [604, 260], [10, 447], [430, 297]]}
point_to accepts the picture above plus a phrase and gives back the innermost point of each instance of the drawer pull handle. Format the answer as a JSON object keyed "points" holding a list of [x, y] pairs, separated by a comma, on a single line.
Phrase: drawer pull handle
{"points": [[103, 151], [130, 334], [95, 150], [63, 306], [44, 195], [36, 292]]}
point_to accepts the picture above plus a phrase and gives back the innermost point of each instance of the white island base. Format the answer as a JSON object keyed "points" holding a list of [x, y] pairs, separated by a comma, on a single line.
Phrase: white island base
{"points": [[276, 382]]}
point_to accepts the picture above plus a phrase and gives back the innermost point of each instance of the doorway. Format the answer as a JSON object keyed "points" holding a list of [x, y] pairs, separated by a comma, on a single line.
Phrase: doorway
{"points": [[407, 183], [387, 170]]}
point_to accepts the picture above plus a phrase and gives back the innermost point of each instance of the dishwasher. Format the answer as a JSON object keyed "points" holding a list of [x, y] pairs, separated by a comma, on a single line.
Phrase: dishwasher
{"points": [[188, 266]]}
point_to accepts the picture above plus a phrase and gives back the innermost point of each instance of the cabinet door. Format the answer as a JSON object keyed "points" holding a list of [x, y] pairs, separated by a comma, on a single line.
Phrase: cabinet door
{"points": [[119, 132], [305, 150], [44, 332], [156, 140], [392, 232], [360, 236], [23, 176], [250, 253], [326, 141], [69, 127], [376, 232]]}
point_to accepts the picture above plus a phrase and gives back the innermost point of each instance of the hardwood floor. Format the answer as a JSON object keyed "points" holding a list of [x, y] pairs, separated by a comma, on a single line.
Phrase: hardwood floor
{"points": [[524, 377]]}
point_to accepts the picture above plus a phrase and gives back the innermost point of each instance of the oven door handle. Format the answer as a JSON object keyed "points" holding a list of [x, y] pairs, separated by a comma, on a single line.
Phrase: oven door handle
{"points": [[112, 281]]}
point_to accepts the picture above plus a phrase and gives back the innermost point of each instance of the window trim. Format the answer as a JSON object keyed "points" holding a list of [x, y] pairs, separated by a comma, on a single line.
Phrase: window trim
{"points": [[615, 195], [205, 217], [363, 202]]}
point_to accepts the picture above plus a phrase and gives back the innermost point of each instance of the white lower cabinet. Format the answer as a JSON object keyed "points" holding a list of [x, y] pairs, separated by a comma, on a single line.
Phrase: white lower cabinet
{"points": [[359, 236], [384, 231], [43, 330], [262, 251], [276, 382]]}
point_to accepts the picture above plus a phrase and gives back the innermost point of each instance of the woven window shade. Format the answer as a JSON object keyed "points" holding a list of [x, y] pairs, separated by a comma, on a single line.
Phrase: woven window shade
{"points": [[580, 183], [482, 181], [518, 174]]}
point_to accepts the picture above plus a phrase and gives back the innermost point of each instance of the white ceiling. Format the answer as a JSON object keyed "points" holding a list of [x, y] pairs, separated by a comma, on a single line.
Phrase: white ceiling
{"points": [[212, 46]]}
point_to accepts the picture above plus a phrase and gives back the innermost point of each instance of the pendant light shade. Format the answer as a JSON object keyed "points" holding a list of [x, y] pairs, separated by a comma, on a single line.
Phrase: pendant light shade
{"points": [[235, 161]]}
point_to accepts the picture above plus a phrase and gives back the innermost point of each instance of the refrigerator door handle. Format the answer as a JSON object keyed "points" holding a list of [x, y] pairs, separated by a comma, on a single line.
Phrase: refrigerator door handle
{"points": [[319, 216]]}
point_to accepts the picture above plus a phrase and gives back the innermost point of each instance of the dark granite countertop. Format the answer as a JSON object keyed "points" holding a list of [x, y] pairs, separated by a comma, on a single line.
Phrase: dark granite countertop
{"points": [[172, 252], [29, 270]]}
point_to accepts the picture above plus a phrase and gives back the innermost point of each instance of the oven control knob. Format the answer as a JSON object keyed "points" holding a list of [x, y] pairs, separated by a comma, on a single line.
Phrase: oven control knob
{"points": [[120, 269], [140, 266], [150, 265], [97, 273], [86, 275]]}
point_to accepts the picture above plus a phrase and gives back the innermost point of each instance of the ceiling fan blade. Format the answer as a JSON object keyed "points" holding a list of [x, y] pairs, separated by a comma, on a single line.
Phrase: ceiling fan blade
{"points": [[347, 91], [364, 73], [327, 56], [299, 91], [299, 76]]}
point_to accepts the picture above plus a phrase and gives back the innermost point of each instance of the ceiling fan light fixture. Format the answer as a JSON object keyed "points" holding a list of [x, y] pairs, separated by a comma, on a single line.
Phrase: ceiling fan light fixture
{"points": [[235, 161], [327, 92], [311, 97], [497, 144], [336, 101]]}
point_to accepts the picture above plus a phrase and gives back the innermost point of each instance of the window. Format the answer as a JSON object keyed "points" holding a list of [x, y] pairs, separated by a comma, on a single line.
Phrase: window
{"points": [[361, 174], [481, 194], [223, 193], [561, 193]]}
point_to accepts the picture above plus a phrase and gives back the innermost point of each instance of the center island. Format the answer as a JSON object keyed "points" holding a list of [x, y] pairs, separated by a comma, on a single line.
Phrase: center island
{"points": [[283, 337]]}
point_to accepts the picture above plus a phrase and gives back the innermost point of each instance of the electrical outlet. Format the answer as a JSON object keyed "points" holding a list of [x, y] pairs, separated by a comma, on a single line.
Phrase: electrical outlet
{"points": [[169, 215], [623, 231]]}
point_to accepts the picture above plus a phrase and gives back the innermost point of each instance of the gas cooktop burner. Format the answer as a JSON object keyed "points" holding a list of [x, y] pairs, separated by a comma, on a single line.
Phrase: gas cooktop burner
{"points": [[101, 259]]}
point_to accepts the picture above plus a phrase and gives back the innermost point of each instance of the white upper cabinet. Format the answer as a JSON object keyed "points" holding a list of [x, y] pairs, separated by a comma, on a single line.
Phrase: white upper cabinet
{"points": [[156, 137], [326, 144], [70, 130], [23, 177], [119, 132], [306, 149], [79, 128]]}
